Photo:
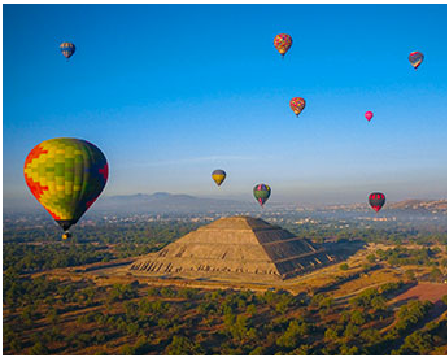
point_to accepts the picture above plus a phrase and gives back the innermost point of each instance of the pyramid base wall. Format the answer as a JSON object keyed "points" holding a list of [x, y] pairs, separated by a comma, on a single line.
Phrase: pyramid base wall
{"points": [[206, 268], [210, 269]]}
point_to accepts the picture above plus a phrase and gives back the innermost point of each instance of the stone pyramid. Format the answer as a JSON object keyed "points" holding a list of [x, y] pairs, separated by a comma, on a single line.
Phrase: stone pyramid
{"points": [[235, 247]]}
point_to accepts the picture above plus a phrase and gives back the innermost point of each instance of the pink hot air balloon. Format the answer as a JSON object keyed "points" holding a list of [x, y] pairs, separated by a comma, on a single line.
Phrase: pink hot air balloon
{"points": [[369, 115]]}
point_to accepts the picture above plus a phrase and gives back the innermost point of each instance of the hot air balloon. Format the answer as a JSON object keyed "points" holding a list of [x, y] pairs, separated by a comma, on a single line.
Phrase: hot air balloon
{"points": [[369, 115], [219, 176], [261, 192], [66, 175], [297, 104], [282, 43], [416, 59], [67, 49], [376, 200]]}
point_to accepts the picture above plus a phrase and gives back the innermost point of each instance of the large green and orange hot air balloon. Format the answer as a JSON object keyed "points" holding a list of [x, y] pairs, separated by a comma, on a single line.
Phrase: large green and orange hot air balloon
{"points": [[66, 175]]}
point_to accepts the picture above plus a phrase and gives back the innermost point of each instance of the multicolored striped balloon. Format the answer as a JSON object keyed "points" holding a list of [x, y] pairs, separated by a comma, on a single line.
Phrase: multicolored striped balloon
{"points": [[416, 59], [297, 104], [261, 193], [219, 176], [66, 175], [67, 49], [282, 43]]}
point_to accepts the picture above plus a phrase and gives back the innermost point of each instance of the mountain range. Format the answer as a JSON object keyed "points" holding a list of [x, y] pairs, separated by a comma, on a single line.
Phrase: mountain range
{"points": [[164, 202], [440, 205]]}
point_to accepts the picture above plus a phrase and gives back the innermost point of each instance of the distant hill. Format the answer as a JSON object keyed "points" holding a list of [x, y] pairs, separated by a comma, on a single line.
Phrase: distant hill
{"points": [[440, 205], [413, 205], [159, 202], [166, 202]]}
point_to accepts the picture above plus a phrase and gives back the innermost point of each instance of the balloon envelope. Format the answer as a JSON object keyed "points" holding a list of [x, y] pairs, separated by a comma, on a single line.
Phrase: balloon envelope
{"points": [[261, 193], [67, 49], [66, 175], [282, 43], [297, 104], [369, 115], [219, 176], [416, 59], [376, 200]]}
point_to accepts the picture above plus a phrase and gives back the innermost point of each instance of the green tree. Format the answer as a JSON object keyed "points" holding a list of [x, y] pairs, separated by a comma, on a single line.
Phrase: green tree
{"points": [[444, 299], [181, 345], [326, 302], [258, 351], [344, 267], [127, 350], [39, 349], [251, 309], [290, 338], [436, 275], [345, 350], [351, 331], [357, 317], [330, 334], [15, 345], [409, 275], [371, 257], [420, 342]]}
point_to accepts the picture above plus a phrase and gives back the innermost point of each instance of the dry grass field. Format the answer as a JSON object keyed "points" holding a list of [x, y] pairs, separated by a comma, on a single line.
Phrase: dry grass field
{"points": [[328, 278], [424, 292], [340, 284]]}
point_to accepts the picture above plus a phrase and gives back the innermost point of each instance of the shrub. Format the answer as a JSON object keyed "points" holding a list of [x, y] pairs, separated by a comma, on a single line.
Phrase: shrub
{"points": [[344, 267]]}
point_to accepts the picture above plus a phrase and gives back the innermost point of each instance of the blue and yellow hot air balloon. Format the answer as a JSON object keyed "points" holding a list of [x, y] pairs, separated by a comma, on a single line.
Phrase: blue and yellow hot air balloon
{"points": [[66, 175], [67, 49], [219, 176]]}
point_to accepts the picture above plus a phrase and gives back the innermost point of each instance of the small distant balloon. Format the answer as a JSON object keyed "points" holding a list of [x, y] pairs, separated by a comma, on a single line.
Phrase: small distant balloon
{"points": [[416, 59], [219, 176], [282, 43], [369, 115], [377, 200], [67, 49], [261, 193], [297, 104]]}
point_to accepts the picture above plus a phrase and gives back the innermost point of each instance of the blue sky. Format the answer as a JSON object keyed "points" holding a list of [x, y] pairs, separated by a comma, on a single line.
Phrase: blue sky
{"points": [[171, 92]]}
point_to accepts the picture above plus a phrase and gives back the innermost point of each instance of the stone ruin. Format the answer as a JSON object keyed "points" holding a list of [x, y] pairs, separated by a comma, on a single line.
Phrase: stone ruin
{"points": [[235, 248]]}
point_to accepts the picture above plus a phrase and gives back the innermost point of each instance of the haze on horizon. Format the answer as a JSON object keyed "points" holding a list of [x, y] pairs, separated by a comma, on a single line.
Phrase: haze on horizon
{"points": [[170, 93]]}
